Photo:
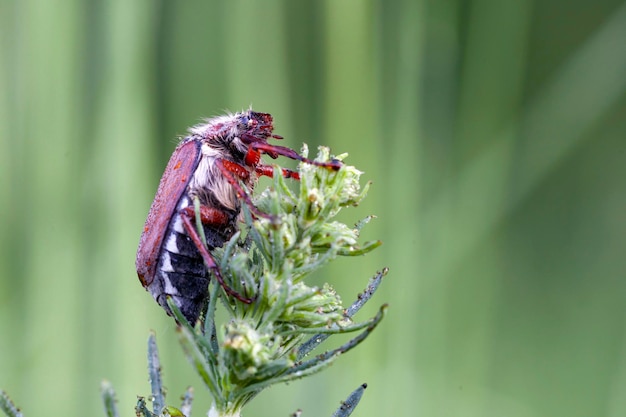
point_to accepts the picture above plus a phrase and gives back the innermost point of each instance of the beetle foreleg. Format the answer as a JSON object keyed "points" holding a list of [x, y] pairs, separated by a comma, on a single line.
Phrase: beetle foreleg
{"points": [[268, 171], [274, 151], [228, 174]]}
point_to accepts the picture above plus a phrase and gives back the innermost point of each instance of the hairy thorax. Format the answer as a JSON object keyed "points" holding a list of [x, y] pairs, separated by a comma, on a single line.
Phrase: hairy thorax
{"points": [[212, 187]]}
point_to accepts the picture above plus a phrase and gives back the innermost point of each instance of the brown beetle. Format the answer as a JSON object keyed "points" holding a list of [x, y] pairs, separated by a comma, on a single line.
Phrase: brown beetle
{"points": [[209, 165]]}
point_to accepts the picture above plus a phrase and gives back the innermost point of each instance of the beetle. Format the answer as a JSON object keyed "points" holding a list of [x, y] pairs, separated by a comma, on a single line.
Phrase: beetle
{"points": [[209, 165]]}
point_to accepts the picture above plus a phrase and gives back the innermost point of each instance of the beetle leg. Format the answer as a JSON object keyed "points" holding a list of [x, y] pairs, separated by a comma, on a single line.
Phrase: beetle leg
{"points": [[274, 151], [208, 215], [253, 159], [268, 171], [233, 168], [208, 258], [225, 167]]}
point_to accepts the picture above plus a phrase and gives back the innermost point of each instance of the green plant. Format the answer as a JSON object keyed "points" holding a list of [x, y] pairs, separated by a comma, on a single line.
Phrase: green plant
{"points": [[266, 342]]}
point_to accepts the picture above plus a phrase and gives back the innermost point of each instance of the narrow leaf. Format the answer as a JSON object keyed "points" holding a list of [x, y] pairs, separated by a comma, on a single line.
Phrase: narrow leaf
{"points": [[108, 398], [185, 407], [316, 340], [332, 354], [154, 371], [198, 360], [350, 403], [8, 407]]}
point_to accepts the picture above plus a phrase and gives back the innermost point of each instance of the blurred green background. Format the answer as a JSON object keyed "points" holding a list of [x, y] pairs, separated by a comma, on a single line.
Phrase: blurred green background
{"points": [[494, 132]]}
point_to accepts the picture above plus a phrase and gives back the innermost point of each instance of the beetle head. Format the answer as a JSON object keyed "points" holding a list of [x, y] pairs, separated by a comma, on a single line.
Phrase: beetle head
{"points": [[233, 134], [241, 128], [255, 127]]}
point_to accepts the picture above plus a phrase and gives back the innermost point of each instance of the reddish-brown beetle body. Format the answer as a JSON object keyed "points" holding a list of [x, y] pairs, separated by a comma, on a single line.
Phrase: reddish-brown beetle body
{"points": [[208, 165], [175, 179]]}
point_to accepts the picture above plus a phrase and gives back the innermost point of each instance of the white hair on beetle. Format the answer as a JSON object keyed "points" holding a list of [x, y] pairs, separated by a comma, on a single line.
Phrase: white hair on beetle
{"points": [[224, 131], [224, 124]]}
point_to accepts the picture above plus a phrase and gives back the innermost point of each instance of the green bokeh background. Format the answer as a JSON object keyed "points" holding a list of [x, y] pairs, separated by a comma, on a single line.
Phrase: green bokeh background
{"points": [[494, 132]]}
